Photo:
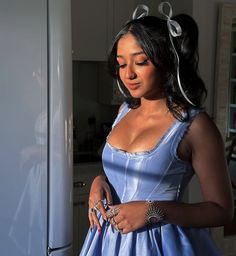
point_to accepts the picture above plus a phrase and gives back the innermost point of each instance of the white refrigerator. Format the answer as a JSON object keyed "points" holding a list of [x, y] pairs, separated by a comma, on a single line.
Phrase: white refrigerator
{"points": [[35, 128]]}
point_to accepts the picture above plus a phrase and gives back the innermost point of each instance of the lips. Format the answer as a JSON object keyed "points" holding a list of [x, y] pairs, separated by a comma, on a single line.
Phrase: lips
{"points": [[132, 86]]}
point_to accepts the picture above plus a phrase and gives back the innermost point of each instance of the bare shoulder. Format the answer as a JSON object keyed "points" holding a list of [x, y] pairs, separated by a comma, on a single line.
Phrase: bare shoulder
{"points": [[203, 130], [204, 124]]}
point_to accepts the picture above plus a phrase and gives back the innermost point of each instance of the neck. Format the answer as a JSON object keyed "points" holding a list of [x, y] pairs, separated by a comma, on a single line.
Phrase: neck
{"points": [[153, 106]]}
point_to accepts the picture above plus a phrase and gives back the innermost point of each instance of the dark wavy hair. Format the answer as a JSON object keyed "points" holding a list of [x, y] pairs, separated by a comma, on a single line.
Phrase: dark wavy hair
{"points": [[153, 36]]}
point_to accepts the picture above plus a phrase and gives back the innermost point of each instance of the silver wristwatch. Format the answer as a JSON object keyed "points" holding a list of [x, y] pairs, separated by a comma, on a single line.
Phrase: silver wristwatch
{"points": [[154, 213]]}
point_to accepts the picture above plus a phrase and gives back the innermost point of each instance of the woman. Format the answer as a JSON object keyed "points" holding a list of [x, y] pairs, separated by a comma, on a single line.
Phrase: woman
{"points": [[160, 139]]}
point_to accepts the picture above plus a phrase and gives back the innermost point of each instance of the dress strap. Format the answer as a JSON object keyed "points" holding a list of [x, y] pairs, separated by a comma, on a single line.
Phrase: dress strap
{"points": [[183, 128], [124, 109]]}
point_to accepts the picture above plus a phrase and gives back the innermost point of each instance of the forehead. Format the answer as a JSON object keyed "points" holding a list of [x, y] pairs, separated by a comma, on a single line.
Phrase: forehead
{"points": [[128, 44]]}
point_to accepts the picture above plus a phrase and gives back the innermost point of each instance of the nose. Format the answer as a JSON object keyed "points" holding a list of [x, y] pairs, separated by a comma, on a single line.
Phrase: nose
{"points": [[130, 73]]}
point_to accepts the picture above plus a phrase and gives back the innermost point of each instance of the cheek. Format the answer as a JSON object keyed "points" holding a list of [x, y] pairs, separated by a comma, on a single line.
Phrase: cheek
{"points": [[150, 75], [153, 80], [148, 72], [122, 74]]}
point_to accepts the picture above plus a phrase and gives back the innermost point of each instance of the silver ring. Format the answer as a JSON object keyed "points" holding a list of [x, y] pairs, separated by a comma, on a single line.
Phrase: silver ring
{"points": [[96, 204], [96, 208], [112, 212], [112, 221], [91, 210], [116, 227]]}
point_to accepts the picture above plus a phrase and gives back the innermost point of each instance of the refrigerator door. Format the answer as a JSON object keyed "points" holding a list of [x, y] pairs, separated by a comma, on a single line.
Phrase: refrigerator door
{"points": [[63, 252], [23, 129], [60, 125], [36, 127]]}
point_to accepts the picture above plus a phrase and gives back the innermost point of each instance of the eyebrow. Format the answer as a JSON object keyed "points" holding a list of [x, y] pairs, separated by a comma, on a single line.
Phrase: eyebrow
{"points": [[134, 54]]}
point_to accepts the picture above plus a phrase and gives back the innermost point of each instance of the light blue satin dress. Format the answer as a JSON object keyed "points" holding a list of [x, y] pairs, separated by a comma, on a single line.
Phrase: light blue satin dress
{"points": [[158, 174]]}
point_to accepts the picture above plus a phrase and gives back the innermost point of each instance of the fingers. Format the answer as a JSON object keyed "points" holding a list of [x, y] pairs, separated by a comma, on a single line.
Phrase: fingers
{"points": [[111, 215], [93, 219], [117, 225], [99, 206], [112, 212], [103, 212], [91, 222], [92, 213], [108, 196], [97, 223], [114, 219]]}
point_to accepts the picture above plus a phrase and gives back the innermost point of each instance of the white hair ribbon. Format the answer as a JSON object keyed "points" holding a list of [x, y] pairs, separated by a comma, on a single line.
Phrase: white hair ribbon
{"points": [[174, 30], [143, 11], [120, 89]]}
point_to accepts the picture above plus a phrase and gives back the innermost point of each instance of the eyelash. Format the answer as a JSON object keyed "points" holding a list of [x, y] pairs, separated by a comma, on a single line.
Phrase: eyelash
{"points": [[143, 63]]}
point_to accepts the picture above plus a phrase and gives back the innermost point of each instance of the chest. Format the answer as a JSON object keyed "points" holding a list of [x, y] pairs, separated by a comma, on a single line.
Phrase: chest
{"points": [[135, 133]]}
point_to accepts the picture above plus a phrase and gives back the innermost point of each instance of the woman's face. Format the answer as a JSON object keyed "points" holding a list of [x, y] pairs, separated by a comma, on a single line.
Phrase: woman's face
{"points": [[136, 71]]}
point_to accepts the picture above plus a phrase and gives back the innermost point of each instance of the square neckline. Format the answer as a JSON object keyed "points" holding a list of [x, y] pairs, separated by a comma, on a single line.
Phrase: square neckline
{"points": [[141, 152]]}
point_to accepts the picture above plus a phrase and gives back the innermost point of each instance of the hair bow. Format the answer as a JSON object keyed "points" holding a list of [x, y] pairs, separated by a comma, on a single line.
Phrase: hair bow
{"points": [[174, 31], [173, 26], [143, 9]]}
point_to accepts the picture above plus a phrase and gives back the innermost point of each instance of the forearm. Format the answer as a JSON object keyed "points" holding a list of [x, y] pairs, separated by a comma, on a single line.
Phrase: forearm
{"points": [[204, 214], [133, 215]]}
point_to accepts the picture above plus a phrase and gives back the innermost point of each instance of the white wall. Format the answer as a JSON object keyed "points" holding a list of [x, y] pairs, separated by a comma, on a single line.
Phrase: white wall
{"points": [[181, 6], [205, 12], [206, 15]]}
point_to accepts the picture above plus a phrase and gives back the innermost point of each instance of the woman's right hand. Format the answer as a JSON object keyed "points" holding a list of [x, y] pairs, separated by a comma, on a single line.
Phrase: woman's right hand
{"points": [[98, 191]]}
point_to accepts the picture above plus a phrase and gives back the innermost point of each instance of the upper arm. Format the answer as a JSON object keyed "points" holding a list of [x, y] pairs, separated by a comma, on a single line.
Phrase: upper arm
{"points": [[209, 162]]}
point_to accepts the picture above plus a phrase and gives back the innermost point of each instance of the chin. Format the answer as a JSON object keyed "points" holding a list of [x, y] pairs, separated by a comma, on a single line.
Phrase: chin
{"points": [[136, 95]]}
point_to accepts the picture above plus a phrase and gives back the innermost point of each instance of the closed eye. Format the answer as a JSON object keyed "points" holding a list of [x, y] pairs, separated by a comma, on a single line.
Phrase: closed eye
{"points": [[142, 63], [121, 65]]}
